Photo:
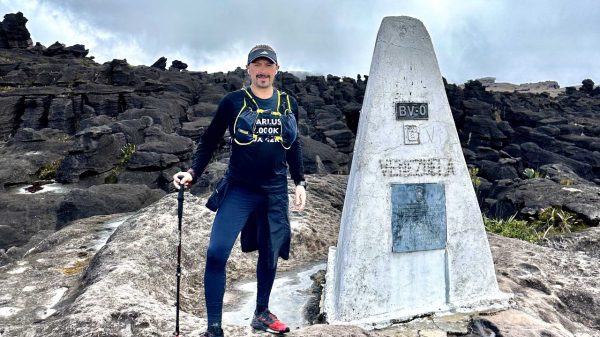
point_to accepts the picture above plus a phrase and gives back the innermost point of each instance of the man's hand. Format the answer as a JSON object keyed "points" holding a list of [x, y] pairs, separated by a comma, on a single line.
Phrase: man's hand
{"points": [[300, 200], [186, 180]]}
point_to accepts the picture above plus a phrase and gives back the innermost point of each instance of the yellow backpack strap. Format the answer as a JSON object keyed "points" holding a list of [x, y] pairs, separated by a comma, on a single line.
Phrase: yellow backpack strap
{"points": [[258, 109], [287, 98], [238, 116], [278, 100]]}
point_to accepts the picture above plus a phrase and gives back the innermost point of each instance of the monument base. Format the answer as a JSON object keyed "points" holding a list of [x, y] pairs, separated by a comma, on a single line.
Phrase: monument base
{"points": [[491, 303]]}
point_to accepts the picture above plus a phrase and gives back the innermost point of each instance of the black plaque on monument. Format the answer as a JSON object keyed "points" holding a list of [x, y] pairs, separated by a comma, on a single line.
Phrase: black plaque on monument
{"points": [[411, 111], [418, 217]]}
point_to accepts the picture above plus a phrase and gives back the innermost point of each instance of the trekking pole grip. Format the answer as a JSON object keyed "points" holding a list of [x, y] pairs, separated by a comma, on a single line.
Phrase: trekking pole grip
{"points": [[180, 197]]}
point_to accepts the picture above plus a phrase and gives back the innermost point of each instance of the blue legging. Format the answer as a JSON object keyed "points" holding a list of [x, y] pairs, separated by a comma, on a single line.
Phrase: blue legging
{"points": [[230, 219]]}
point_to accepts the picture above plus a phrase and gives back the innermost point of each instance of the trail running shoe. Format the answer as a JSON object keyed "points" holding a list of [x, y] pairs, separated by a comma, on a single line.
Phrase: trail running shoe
{"points": [[266, 321], [213, 331]]}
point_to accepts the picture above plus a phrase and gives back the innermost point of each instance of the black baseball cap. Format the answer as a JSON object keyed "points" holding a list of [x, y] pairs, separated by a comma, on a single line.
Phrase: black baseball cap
{"points": [[262, 52]]}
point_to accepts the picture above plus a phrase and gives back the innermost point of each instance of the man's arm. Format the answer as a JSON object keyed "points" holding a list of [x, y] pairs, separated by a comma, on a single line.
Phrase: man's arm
{"points": [[208, 142], [296, 166]]}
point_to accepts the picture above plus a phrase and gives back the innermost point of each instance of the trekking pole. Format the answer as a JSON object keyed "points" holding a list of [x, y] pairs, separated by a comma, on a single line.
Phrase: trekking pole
{"points": [[179, 217]]}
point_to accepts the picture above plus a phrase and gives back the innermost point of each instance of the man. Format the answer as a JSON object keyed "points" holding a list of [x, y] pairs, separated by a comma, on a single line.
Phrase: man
{"points": [[262, 122]]}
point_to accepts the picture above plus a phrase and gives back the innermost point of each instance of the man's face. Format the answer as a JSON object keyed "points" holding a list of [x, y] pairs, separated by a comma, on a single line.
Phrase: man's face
{"points": [[262, 72]]}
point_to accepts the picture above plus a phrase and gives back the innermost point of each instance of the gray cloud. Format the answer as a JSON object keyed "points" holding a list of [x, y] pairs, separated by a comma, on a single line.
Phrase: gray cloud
{"points": [[515, 41]]}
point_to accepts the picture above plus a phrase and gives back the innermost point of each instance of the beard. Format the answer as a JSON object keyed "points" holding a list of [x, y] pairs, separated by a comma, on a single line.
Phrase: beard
{"points": [[263, 82]]}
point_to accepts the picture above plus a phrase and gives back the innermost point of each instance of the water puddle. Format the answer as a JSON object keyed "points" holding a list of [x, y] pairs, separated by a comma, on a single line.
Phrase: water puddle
{"points": [[58, 294], [106, 230], [46, 186], [290, 294], [27, 289], [19, 270], [8, 311]]}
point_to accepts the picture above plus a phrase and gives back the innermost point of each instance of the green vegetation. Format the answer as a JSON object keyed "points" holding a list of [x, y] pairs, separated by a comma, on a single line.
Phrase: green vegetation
{"points": [[126, 152], [554, 221], [64, 138], [475, 180], [512, 228], [531, 173], [48, 171], [497, 116], [548, 221]]}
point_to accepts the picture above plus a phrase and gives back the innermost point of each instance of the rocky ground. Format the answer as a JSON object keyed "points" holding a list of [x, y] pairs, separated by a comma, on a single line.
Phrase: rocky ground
{"points": [[65, 286], [65, 117]]}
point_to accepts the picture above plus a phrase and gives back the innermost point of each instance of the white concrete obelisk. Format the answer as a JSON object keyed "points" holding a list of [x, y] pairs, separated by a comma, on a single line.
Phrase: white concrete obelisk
{"points": [[412, 239]]}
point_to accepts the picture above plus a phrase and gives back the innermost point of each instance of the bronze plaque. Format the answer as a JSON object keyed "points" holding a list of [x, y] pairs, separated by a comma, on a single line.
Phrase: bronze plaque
{"points": [[418, 217]]}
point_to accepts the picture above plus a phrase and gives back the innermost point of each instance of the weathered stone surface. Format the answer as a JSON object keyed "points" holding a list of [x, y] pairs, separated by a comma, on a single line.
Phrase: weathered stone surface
{"points": [[95, 150], [9, 115], [13, 33], [61, 115], [104, 199], [176, 64], [24, 215], [30, 150], [133, 129], [203, 109], [151, 160], [120, 72], [35, 113], [128, 287], [519, 197], [195, 128], [161, 63], [109, 293], [158, 141], [158, 117], [57, 48], [333, 161], [555, 290]]}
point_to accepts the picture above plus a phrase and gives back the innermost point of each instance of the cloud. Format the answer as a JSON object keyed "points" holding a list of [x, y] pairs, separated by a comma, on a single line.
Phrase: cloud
{"points": [[515, 41]]}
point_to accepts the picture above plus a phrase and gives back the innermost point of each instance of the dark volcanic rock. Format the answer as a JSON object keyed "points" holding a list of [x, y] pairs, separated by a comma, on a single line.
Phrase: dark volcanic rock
{"points": [[57, 48], [333, 161], [160, 142], [158, 117], [161, 63], [95, 150], [176, 64], [104, 199], [78, 50], [10, 108], [120, 73], [203, 109], [520, 197], [24, 215], [151, 160], [13, 33], [534, 156]]}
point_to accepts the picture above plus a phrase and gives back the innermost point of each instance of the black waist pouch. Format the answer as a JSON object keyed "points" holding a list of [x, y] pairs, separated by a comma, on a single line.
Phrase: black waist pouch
{"points": [[218, 195]]}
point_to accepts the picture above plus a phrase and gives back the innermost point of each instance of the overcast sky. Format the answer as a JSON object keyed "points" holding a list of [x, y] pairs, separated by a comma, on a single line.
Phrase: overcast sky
{"points": [[516, 41]]}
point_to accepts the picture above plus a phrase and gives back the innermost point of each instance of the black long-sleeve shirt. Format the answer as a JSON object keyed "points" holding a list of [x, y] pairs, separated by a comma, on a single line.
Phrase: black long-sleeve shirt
{"points": [[260, 165]]}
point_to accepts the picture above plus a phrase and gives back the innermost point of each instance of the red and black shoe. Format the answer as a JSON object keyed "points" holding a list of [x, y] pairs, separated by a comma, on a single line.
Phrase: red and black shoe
{"points": [[266, 321]]}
